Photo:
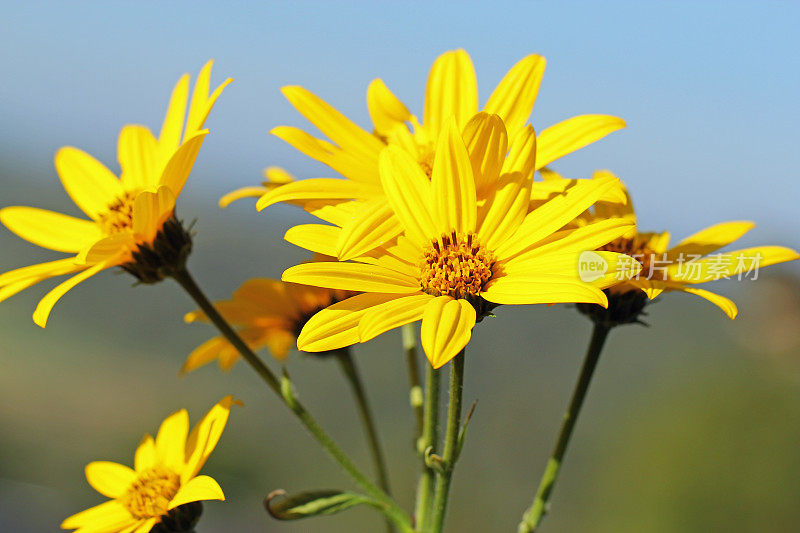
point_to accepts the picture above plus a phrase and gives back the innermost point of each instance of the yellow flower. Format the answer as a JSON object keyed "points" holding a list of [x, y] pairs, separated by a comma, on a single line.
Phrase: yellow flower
{"points": [[682, 266], [268, 313], [456, 258], [126, 213], [164, 476], [451, 92]]}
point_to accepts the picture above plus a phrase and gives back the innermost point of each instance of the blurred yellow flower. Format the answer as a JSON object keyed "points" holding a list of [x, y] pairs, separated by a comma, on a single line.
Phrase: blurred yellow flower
{"points": [[451, 92], [164, 477], [688, 263], [456, 257], [126, 213], [267, 313]]}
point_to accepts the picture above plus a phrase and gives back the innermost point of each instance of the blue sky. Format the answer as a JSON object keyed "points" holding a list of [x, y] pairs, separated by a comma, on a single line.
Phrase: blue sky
{"points": [[710, 91]]}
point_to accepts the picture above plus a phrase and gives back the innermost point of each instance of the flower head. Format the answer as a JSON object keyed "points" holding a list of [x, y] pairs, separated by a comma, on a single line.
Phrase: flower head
{"points": [[131, 218], [164, 478], [267, 313], [678, 268], [451, 91], [456, 257]]}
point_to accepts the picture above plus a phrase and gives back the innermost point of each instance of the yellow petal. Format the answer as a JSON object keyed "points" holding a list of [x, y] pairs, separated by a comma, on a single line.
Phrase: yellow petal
{"points": [[729, 264], [10, 290], [180, 164], [392, 314], [197, 489], [336, 126], [373, 226], [202, 102], [46, 304], [550, 174], [350, 165], [279, 342], [245, 192], [40, 271], [48, 229], [144, 527], [172, 127], [385, 109], [205, 435], [452, 184], [352, 277], [150, 210], [616, 267], [522, 152], [706, 240], [88, 182], [408, 191], [515, 95], [507, 208], [553, 215], [403, 257], [617, 202], [542, 289], [727, 305], [145, 456], [487, 144], [114, 246], [657, 242], [108, 516], [589, 237], [573, 134], [337, 325], [452, 90], [317, 238], [545, 190], [316, 189], [138, 155], [171, 439], [109, 479], [204, 354], [277, 175], [446, 328]]}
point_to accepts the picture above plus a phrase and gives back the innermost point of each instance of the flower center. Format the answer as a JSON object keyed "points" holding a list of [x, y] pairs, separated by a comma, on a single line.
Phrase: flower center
{"points": [[150, 494], [456, 265], [636, 248], [119, 216]]}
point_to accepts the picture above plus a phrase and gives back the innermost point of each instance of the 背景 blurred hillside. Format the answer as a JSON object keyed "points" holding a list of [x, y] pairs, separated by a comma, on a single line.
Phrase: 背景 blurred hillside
{"points": [[691, 425]]}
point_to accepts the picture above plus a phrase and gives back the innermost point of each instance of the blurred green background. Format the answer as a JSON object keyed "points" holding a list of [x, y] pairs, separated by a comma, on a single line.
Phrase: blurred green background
{"points": [[691, 425]]}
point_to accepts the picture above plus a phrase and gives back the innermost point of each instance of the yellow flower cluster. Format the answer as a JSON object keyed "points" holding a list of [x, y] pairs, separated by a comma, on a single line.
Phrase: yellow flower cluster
{"points": [[438, 220]]}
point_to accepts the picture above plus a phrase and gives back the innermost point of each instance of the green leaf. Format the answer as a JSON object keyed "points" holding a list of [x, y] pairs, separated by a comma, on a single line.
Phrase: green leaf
{"points": [[283, 506]]}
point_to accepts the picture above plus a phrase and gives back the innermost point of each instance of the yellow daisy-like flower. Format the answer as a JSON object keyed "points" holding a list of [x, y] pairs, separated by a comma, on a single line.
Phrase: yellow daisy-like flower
{"points": [[456, 257], [451, 92], [164, 477], [126, 214], [267, 313], [681, 267]]}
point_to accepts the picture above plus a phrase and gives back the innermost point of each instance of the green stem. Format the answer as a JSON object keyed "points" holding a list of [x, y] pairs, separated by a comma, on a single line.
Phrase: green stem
{"points": [[428, 440], [450, 443], [415, 390], [389, 507], [534, 515], [348, 365]]}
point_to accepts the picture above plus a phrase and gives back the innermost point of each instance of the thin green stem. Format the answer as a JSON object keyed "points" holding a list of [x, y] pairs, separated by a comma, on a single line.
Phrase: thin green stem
{"points": [[449, 456], [350, 371], [389, 507], [415, 389], [428, 441], [534, 515]]}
